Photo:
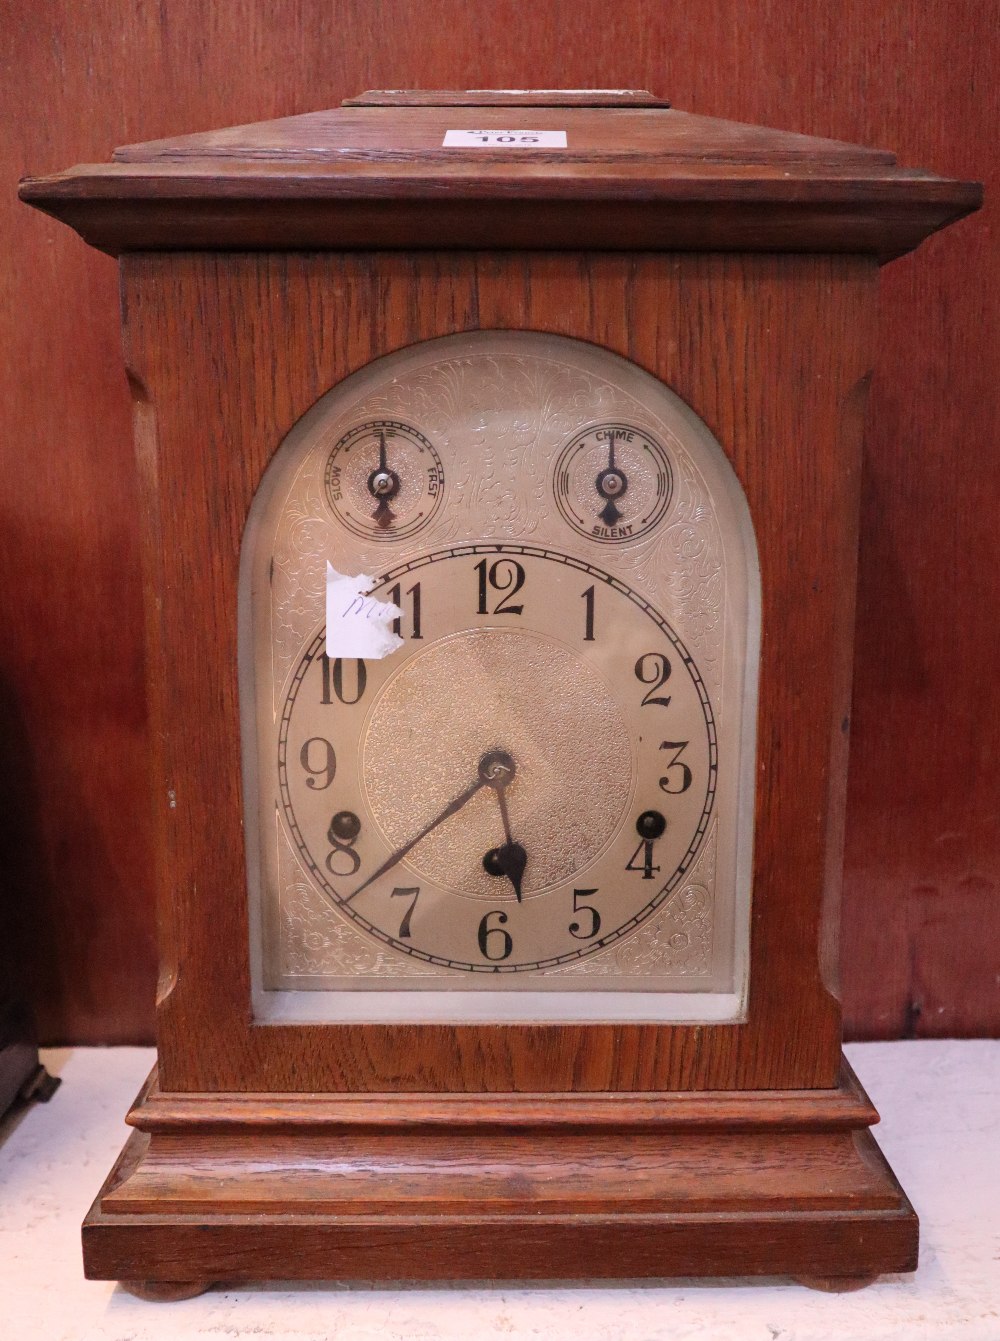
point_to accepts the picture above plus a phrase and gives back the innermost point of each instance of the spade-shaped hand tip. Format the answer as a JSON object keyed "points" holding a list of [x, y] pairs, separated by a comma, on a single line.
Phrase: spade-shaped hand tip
{"points": [[513, 859]]}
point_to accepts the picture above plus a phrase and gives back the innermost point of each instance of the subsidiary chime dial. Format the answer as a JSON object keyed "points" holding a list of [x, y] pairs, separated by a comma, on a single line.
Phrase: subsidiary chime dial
{"points": [[535, 784], [613, 482]]}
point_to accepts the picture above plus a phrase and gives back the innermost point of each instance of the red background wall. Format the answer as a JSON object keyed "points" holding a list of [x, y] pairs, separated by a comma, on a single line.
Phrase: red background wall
{"points": [[921, 917]]}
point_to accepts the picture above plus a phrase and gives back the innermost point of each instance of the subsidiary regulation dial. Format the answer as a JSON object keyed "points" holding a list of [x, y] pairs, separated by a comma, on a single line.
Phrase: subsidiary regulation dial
{"points": [[384, 480], [613, 482]]}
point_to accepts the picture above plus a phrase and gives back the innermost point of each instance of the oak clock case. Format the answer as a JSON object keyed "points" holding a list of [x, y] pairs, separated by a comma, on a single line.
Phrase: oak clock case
{"points": [[504, 946], [538, 805]]}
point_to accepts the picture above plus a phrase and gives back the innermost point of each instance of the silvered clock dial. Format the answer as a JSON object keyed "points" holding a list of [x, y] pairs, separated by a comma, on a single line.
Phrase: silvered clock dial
{"points": [[533, 802]]}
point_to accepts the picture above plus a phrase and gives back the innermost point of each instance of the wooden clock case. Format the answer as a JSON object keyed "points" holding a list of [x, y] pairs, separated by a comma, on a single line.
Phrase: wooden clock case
{"points": [[260, 266]]}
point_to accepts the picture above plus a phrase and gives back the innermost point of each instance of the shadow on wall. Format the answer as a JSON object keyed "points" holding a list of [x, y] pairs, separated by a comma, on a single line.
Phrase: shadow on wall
{"points": [[28, 923], [52, 845]]}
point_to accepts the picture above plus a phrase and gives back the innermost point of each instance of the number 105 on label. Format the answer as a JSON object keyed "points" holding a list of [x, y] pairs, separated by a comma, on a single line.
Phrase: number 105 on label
{"points": [[505, 139]]}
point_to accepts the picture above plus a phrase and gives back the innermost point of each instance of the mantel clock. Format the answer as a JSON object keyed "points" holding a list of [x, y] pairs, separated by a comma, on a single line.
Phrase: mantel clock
{"points": [[499, 457]]}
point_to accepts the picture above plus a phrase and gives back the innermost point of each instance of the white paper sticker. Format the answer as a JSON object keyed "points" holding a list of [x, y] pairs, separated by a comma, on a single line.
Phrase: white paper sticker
{"points": [[357, 625], [505, 139]]}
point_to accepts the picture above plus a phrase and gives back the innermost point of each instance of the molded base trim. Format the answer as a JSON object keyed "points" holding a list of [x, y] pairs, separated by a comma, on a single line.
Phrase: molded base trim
{"points": [[270, 1194]]}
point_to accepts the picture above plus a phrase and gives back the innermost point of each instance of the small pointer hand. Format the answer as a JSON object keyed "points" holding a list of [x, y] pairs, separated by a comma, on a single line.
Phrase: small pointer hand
{"points": [[611, 483], [510, 859], [383, 484]]}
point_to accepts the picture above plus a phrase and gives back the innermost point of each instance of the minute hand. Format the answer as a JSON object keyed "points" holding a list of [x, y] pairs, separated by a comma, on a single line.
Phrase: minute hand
{"points": [[401, 852]]}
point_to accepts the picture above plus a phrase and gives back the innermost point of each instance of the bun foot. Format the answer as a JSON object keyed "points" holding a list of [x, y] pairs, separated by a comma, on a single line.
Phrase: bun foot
{"points": [[836, 1284], [165, 1291]]}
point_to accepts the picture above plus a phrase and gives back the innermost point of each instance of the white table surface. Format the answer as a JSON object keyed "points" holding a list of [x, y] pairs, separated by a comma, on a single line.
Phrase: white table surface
{"points": [[940, 1106]]}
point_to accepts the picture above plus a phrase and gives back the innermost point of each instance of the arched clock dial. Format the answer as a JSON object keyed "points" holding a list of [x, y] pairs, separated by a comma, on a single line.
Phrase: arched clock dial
{"points": [[541, 791]]}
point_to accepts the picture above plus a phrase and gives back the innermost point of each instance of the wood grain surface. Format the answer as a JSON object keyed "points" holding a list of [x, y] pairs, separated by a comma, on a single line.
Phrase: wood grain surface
{"points": [[845, 1107], [227, 351], [627, 179], [302, 1187], [319, 1201], [921, 915]]}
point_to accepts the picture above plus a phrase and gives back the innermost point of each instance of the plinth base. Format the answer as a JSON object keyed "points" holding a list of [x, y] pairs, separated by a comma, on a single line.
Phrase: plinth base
{"points": [[235, 1188]]}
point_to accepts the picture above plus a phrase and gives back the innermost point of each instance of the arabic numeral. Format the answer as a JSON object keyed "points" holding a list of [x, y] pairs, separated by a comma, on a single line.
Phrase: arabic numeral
{"points": [[342, 835], [588, 624], [650, 826], [404, 926], [505, 576], [576, 928], [678, 776], [333, 679], [396, 596], [653, 668], [647, 867], [494, 943], [325, 766]]}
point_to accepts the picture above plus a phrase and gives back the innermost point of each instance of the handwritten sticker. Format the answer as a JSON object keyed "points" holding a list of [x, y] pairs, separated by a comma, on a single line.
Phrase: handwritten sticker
{"points": [[504, 139], [357, 624]]}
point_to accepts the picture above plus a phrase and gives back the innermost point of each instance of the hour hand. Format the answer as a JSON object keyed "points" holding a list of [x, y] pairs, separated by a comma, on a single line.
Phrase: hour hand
{"points": [[509, 859]]}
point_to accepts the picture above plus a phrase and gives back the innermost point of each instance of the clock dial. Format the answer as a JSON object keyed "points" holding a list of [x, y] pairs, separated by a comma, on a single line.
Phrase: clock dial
{"points": [[537, 800], [383, 480], [583, 697], [613, 482]]}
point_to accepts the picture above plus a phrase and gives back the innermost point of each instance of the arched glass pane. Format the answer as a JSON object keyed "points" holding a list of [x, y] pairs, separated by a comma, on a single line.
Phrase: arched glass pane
{"points": [[527, 791]]}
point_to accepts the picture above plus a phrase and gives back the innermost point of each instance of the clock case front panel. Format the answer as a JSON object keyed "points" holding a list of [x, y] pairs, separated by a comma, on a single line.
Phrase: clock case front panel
{"points": [[227, 352]]}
